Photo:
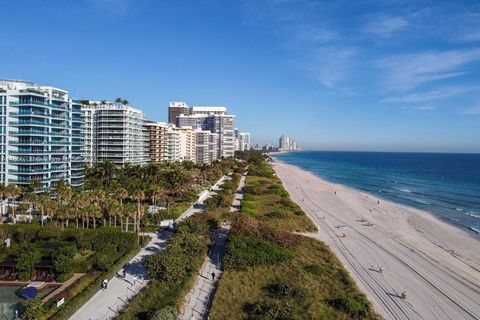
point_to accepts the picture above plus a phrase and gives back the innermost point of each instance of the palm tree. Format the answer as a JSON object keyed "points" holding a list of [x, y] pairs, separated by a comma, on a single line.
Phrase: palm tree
{"points": [[95, 212], [113, 208], [129, 212], [138, 195], [43, 202], [64, 194], [11, 193], [2, 195], [157, 192]]}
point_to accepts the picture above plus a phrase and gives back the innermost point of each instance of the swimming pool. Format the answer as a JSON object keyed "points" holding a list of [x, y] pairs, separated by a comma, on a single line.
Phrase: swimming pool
{"points": [[9, 301]]}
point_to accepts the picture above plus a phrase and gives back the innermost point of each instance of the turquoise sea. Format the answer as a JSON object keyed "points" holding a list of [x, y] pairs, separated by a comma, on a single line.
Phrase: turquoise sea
{"points": [[447, 185]]}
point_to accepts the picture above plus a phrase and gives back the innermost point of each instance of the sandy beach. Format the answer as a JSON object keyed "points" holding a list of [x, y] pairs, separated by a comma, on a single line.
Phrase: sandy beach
{"points": [[390, 248]]}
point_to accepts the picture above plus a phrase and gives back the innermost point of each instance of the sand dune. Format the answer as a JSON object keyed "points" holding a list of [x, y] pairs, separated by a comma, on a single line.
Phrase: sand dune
{"points": [[436, 264]]}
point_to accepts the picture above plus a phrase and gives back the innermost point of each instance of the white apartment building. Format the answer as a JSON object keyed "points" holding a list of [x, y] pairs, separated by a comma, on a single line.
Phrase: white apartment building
{"points": [[188, 141], [244, 141], [169, 143], [41, 135], [206, 146], [216, 120], [115, 132]]}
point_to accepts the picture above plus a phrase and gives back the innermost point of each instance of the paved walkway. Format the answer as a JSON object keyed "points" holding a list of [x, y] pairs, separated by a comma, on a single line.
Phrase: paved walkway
{"points": [[107, 303], [198, 300]]}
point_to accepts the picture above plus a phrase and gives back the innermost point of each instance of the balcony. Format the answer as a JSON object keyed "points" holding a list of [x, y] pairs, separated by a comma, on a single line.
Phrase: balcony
{"points": [[60, 168], [25, 152], [28, 132], [29, 160], [30, 171], [29, 123], [28, 142], [29, 113], [57, 116]]}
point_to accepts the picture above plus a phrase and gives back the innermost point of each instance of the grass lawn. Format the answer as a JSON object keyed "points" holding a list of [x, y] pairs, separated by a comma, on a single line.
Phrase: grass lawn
{"points": [[266, 199]]}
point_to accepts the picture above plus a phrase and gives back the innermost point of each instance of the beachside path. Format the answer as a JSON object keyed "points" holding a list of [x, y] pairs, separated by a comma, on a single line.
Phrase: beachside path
{"points": [[198, 300]]}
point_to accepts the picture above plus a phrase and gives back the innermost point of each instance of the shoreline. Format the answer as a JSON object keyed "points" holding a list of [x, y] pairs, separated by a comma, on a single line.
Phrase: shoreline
{"points": [[469, 230], [433, 261]]}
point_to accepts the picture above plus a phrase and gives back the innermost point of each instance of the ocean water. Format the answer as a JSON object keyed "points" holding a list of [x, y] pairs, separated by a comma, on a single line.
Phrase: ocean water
{"points": [[447, 185]]}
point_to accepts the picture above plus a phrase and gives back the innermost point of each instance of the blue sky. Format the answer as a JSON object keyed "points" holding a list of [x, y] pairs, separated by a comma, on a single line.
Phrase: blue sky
{"points": [[335, 75]]}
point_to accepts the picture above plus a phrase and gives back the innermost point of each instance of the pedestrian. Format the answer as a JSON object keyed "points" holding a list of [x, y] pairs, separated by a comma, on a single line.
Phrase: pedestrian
{"points": [[381, 269], [335, 192], [213, 276], [104, 283], [403, 295], [124, 273], [378, 201]]}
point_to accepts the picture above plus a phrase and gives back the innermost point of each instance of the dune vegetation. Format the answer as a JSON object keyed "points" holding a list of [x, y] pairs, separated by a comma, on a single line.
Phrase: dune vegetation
{"points": [[272, 272]]}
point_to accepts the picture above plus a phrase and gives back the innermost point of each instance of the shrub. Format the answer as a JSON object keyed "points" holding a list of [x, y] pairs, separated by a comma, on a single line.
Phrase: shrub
{"points": [[270, 309], [299, 213], [284, 290], [166, 313], [248, 251], [27, 255], [316, 269], [277, 214], [49, 233], [33, 309], [102, 261], [352, 307], [63, 262]]}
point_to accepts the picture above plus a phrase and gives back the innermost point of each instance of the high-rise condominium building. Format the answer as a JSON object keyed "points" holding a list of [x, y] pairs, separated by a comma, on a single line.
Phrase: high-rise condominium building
{"points": [[115, 132], [188, 142], [206, 146], [287, 144], [157, 132], [244, 141], [169, 143], [215, 120], [175, 109], [41, 135]]}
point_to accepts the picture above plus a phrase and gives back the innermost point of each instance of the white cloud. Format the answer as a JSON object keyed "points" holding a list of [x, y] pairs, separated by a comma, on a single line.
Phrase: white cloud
{"points": [[329, 65], [440, 94], [426, 108], [404, 72], [385, 26], [471, 110]]}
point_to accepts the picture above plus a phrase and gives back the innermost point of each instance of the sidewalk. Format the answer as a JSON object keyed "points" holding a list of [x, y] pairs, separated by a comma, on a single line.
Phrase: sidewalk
{"points": [[198, 300], [107, 303]]}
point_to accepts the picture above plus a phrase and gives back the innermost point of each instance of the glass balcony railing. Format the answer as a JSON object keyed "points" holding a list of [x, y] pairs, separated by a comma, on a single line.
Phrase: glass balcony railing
{"points": [[31, 160], [28, 132], [29, 171], [29, 113], [28, 152], [29, 122]]}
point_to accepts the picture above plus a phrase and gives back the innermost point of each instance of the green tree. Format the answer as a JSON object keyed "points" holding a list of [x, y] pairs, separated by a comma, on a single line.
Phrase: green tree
{"points": [[33, 309], [63, 262], [27, 255]]}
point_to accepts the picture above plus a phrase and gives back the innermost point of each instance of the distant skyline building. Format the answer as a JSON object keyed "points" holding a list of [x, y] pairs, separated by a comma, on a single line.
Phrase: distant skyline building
{"points": [[244, 141], [287, 144], [41, 135], [116, 132]]}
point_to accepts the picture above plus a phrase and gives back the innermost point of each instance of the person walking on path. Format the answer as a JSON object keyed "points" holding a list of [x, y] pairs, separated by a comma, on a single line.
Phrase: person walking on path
{"points": [[213, 276]]}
